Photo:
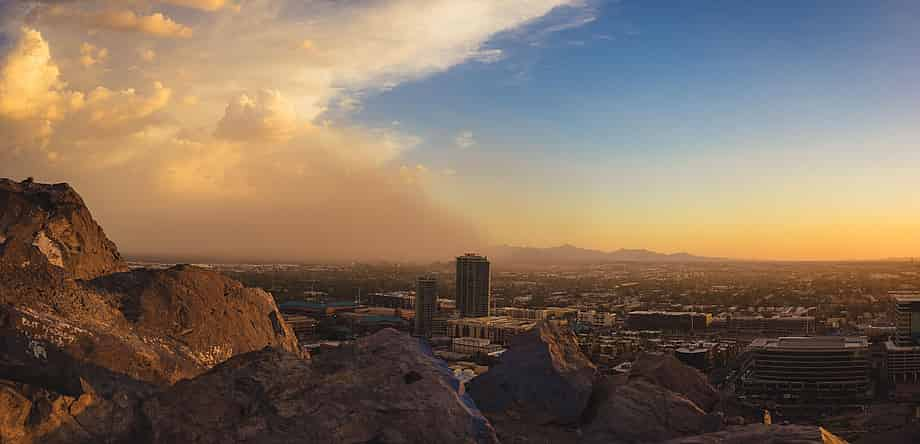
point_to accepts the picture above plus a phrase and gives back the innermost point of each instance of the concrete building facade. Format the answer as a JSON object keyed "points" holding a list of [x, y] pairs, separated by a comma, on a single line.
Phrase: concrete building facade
{"points": [[474, 281], [807, 370], [426, 304], [682, 321]]}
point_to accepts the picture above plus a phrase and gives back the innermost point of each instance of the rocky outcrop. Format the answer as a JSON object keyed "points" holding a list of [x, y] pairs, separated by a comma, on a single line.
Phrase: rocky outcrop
{"points": [[542, 378], [638, 411], [33, 414], [667, 371], [211, 316], [386, 389], [152, 326], [767, 434], [76, 326], [49, 224]]}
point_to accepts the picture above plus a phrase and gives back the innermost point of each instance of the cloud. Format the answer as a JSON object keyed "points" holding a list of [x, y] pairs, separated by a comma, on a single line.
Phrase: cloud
{"points": [[148, 55], [29, 84], [91, 55], [155, 24], [32, 96], [204, 5], [251, 161], [106, 109], [465, 139], [265, 116]]}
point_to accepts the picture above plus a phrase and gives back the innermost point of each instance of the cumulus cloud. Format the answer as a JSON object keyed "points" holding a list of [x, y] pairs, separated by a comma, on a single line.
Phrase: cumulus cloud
{"points": [[29, 83], [249, 161], [32, 96], [155, 24], [105, 109], [91, 55], [265, 116], [148, 55], [204, 5]]}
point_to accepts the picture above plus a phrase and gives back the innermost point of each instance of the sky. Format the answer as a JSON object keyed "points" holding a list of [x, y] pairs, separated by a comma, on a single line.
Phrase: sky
{"points": [[410, 129]]}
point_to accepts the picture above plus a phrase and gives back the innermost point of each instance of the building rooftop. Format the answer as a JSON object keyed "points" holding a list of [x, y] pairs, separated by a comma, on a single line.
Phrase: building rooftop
{"points": [[316, 305], [472, 257], [891, 346], [811, 343], [497, 321], [667, 313]]}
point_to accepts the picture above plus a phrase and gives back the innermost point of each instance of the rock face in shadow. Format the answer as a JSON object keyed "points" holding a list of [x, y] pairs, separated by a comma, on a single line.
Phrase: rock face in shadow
{"points": [[638, 411], [667, 371], [542, 378], [54, 418], [767, 434], [539, 389], [386, 389], [41, 223], [74, 321]]}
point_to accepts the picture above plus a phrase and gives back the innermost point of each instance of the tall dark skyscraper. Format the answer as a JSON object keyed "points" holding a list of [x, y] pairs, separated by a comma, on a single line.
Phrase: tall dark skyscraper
{"points": [[474, 280], [426, 304], [907, 312]]}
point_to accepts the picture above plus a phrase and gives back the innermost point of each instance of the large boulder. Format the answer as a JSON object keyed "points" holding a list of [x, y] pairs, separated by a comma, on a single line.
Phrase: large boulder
{"points": [[543, 378], [70, 309], [51, 224], [154, 326], [212, 317], [638, 411], [387, 388], [667, 371], [79, 328], [766, 434], [33, 414]]}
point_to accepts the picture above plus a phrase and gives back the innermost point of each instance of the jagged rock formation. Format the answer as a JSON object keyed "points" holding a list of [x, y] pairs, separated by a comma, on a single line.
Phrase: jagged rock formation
{"points": [[387, 389], [52, 418], [74, 322], [543, 377], [638, 411], [767, 434], [539, 389], [51, 224], [667, 371]]}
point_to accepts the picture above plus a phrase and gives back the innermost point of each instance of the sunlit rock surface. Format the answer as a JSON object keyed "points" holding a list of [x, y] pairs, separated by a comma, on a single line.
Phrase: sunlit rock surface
{"points": [[76, 325], [50, 224], [386, 389], [767, 434]]}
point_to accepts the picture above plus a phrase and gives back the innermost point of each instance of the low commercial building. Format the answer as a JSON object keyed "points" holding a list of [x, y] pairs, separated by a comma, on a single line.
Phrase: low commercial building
{"points": [[393, 299], [472, 346], [535, 314], [316, 309], [807, 370], [371, 319], [697, 357], [774, 326], [597, 319], [682, 321], [304, 326], [497, 329]]}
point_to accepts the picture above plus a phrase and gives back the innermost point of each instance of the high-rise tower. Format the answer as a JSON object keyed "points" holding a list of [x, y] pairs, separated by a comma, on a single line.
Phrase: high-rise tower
{"points": [[474, 280], [907, 312], [426, 304]]}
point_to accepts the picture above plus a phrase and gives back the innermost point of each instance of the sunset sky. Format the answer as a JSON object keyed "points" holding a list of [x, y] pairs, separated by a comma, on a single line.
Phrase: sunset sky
{"points": [[419, 129]]}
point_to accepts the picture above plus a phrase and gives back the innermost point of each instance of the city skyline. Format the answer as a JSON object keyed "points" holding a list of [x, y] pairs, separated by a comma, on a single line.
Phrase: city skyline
{"points": [[280, 130]]}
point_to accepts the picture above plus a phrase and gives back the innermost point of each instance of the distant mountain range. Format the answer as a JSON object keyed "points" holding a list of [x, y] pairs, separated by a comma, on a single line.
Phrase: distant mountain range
{"points": [[570, 254]]}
